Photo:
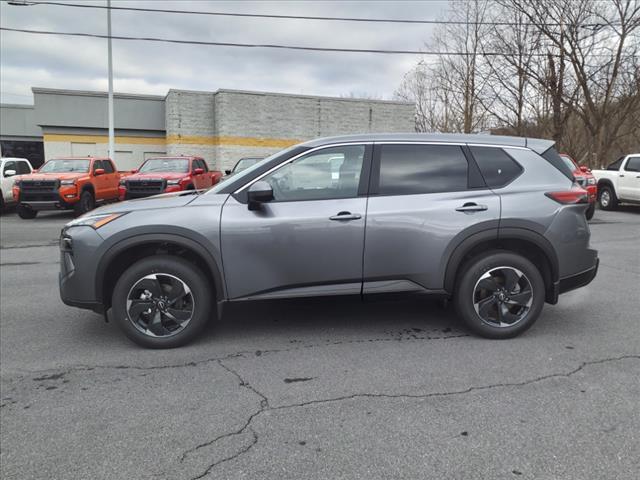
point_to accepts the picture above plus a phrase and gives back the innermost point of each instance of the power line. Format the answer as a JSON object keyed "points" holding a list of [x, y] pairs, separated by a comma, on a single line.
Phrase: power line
{"points": [[295, 17], [257, 45]]}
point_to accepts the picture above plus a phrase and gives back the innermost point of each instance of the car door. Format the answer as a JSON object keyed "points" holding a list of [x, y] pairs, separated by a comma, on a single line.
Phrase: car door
{"points": [[424, 199], [7, 181], [629, 179], [207, 179], [199, 181], [111, 179], [98, 180], [309, 239]]}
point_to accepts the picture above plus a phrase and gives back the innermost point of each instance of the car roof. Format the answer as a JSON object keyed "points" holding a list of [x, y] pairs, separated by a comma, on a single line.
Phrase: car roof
{"points": [[175, 157], [14, 158], [538, 145], [80, 158]]}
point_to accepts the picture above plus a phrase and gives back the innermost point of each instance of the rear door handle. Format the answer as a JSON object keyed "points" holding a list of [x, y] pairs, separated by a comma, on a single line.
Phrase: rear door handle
{"points": [[344, 216], [472, 207]]}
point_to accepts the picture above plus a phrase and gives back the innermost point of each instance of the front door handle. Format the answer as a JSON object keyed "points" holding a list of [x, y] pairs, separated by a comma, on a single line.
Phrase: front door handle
{"points": [[343, 216], [472, 207]]}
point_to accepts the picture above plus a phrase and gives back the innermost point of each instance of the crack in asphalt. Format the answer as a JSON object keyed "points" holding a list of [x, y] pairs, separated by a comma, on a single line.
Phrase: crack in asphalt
{"points": [[35, 245], [264, 404]]}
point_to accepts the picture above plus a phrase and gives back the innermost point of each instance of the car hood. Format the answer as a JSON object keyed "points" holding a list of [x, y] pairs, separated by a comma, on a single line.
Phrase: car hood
{"points": [[53, 176], [156, 176], [165, 200]]}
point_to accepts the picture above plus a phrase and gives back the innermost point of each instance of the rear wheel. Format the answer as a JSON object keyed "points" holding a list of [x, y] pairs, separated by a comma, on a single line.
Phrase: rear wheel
{"points": [[162, 302], [590, 211], [25, 212], [85, 204], [607, 198], [499, 295]]}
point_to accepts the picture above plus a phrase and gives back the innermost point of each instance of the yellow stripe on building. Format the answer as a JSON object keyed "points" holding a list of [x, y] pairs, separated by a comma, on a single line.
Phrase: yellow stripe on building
{"points": [[201, 140]]}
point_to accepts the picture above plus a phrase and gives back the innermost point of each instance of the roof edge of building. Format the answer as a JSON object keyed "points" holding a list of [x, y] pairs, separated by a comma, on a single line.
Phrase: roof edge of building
{"points": [[94, 93]]}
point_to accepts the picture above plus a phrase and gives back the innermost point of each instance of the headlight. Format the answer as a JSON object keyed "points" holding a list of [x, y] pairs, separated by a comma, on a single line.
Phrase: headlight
{"points": [[591, 181], [94, 221], [16, 183], [175, 182], [68, 182], [123, 183]]}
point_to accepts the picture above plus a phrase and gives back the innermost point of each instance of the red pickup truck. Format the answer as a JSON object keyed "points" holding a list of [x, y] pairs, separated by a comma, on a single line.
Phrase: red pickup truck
{"points": [[168, 174]]}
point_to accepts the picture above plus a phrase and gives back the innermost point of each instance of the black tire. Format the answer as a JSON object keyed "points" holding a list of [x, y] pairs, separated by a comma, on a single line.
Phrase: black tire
{"points": [[590, 211], [607, 199], [163, 266], [85, 204], [26, 213], [1, 203], [466, 295]]}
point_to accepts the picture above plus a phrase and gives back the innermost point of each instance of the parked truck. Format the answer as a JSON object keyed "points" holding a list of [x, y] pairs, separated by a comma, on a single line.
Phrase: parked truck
{"points": [[72, 183], [168, 174], [10, 168], [619, 182]]}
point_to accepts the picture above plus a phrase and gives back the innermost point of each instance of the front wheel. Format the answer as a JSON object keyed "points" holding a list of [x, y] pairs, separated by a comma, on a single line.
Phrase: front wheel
{"points": [[25, 212], [85, 204], [162, 302], [607, 198], [499, 295]]}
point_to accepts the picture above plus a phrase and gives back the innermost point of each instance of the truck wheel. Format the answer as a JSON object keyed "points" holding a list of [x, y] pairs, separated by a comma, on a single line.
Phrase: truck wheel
{"points": [[590, 211], [26, 213], [162, 301], [499, 295], [607, 198], [85, 204]]}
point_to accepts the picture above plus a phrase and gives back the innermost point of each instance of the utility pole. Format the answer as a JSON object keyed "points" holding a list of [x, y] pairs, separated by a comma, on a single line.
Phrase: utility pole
{"points": [[112, 150]]}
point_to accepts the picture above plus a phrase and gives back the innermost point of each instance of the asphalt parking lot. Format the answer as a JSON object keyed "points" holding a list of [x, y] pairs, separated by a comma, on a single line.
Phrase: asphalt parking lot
{"points": [[322, 388]]}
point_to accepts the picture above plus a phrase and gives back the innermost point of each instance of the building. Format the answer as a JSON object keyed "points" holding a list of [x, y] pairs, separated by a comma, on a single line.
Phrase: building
{"points": [[221, 126]]}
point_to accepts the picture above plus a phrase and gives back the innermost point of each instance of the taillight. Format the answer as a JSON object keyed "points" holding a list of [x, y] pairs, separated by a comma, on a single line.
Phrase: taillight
{"points": [[570, 197]]}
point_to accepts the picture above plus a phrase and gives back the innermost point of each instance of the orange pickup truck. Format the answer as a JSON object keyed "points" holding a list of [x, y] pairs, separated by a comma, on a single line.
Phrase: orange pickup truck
{"points": [[77, 183]]}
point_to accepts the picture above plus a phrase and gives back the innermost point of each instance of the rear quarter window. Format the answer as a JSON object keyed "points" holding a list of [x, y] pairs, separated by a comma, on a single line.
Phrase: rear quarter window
{"points": [[554, 158], [496, 165]]}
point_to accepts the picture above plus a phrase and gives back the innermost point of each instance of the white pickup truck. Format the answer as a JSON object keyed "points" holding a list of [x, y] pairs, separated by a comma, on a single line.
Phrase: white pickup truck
{"points": [[9, 168], [619, 182]]}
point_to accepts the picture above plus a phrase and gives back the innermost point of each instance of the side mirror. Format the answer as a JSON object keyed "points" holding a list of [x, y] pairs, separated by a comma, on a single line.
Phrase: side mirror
{"points": [[260, 192], [198, 171], [584, 169], [227, 172], [134, 170], [9, 173], [98, 171]]}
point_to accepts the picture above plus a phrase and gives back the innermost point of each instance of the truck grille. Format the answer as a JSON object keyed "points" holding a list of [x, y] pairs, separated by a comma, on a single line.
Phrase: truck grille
{"points": [[145, 188], [39, 190]]}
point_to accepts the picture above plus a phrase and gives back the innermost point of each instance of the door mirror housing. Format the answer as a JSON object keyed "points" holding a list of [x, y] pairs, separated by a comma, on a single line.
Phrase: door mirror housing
{"points": [[198, 171], [98, 171], [227, 172], [584, 169], [9, 173], [134, 170], [260, 192]]}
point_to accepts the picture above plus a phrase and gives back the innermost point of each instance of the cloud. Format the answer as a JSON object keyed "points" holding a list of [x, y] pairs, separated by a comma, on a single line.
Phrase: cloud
{"points": [[142, 67]]}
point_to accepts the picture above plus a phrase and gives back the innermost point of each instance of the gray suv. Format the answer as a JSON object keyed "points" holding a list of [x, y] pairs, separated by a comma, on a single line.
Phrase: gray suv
{"points": [[495, 223]]}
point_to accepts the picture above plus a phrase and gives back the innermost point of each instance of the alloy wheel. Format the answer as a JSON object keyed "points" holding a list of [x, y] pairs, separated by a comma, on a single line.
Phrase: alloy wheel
{"points": [[502, 297], [605, 198], [160, 305]]}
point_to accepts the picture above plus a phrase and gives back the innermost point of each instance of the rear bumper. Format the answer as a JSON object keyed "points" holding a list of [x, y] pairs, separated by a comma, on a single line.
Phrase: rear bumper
{"points": [[579, 280]]}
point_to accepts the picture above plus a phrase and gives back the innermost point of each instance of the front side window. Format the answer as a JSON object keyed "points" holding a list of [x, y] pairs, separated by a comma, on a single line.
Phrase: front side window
{"points": [[324, 174], [633, 165], [66, 165], [177, 165], [416, 169], [10, 165], [97, 164]]}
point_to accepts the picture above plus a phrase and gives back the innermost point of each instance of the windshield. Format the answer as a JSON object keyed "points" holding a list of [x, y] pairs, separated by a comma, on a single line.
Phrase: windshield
{"points": [[245, 163], [66, 165], [568, 162], [236, 179], [180, 165]]}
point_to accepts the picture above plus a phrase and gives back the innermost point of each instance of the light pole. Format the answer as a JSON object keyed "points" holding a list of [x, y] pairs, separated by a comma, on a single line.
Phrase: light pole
{"points": [[112, 150]]}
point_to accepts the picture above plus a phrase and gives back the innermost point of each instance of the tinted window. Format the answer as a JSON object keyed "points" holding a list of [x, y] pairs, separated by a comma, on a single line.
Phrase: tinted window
{"points": [[203, 165], [23, 168], [414, 169], [108, 166], [97, 164], [555, 159], [616, 165], [633, 165], [10, 165], [497, 167], [324, 174]]}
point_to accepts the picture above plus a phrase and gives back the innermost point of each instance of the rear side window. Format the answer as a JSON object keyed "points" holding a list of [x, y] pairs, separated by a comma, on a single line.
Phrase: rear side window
{"points": [[554, 158], [497, 167], [416, 169], [108, 166]]}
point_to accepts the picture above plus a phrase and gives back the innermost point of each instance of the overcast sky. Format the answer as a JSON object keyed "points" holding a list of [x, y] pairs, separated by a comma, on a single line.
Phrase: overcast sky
{"points": [[143, 67]]}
